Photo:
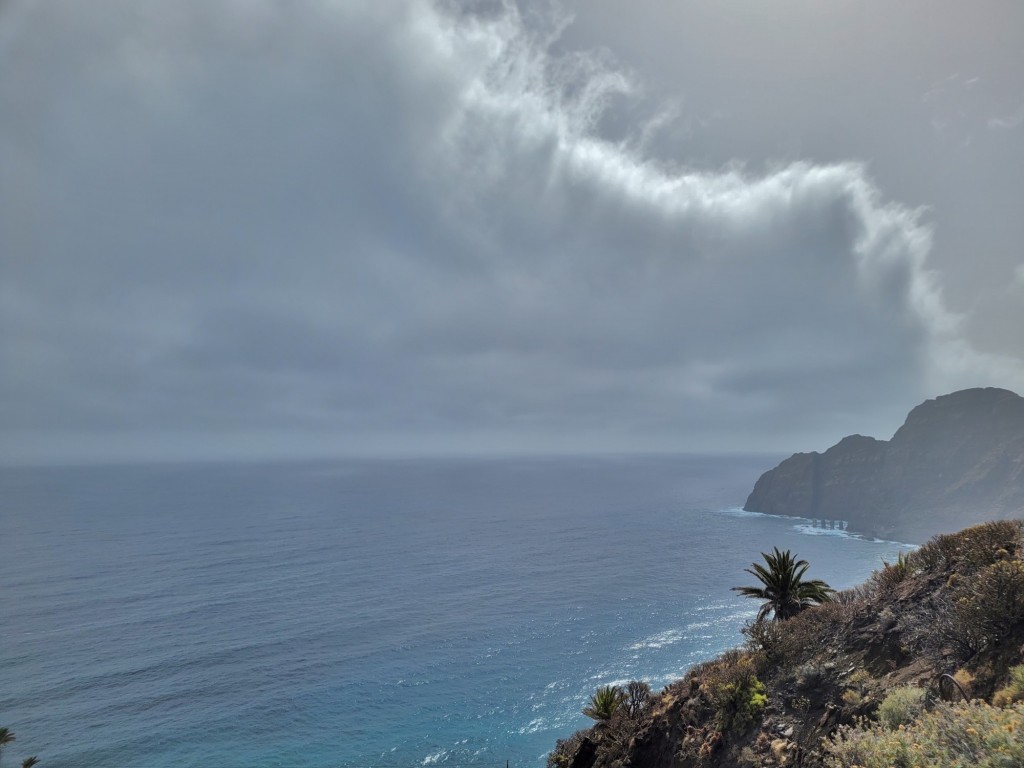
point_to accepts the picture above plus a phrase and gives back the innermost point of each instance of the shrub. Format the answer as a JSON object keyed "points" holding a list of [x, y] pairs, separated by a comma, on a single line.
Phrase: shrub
{"points": [[855, 597], [1013, 691], [796, 640], [604, 703], [979, 610], [989, 605], [697, 746], [971, 549], [767, 638], [892, 574], [637, 699], [852, 698], [950, 736], [948, 627], [901, 706], [735, 693], [979, 546], [859, 677]]}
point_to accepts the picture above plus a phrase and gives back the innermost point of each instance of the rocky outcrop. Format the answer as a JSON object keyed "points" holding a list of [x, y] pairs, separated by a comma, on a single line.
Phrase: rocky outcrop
{"points": [[946, 620], [956, 461]]}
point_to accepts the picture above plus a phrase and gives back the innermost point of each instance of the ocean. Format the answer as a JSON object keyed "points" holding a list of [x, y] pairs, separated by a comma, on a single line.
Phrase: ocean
{"points": [[350, 613]]}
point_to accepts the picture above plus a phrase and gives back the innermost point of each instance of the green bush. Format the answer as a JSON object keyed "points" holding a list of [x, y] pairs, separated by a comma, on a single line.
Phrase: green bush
{"points": [[901, 706], [768, 639], [852, 698], [604, 703], [736, 694], [950, 736], [1013, 691]]}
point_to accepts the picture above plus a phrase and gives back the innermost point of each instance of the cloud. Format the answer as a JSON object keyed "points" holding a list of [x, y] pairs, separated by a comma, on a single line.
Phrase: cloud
{"points": [[1009, 122], [402, 224]]}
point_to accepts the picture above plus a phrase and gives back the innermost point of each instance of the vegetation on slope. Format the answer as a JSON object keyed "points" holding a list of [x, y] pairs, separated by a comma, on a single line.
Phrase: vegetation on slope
{"points": [[872, 677]]}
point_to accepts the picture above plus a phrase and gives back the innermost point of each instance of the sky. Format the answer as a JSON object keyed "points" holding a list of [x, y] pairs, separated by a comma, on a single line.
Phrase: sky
{"points": [[257, 229]]}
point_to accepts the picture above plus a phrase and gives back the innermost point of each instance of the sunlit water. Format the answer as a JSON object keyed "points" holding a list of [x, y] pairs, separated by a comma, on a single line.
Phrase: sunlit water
{"points": [[397, 613]]}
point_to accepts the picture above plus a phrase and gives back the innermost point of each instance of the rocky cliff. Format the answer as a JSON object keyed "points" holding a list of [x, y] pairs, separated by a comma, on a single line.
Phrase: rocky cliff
{"points": [[956, 461], [943, 623]]}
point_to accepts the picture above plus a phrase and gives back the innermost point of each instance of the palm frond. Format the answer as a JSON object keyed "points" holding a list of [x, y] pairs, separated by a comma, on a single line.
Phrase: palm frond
{"points": [[785, 593]]}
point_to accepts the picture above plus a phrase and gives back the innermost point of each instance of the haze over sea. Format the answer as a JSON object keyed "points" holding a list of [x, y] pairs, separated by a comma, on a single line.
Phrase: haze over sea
{"points": [[367, 613]]}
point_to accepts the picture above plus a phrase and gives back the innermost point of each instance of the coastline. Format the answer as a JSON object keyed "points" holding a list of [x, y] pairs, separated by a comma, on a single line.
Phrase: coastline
{"points": [[808, 529]]}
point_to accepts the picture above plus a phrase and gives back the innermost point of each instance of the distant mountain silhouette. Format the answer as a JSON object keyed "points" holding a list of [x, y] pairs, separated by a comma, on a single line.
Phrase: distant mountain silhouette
{"points": [[956, 461]]}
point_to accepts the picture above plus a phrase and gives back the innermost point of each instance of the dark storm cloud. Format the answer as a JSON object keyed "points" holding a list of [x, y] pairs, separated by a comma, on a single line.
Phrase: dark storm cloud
{"points": [[386, 226]]}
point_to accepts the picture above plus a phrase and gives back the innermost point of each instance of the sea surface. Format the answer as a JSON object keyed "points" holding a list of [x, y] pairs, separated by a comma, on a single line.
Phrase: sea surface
{"points": [[366, 613]]}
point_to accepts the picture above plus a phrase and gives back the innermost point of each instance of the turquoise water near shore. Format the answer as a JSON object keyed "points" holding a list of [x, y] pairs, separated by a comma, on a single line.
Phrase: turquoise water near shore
{"points": [[367, 613]]}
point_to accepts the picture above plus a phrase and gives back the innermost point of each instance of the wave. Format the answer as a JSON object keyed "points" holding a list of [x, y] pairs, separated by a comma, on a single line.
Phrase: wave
{"points": [[806, 527], [810, 530], [660, 640], [536, 725], [741, 512]]}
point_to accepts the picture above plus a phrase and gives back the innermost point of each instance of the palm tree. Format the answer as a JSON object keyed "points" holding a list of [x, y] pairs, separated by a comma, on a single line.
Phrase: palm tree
{"points": [[604, 703], [784, 591], [6, 737], [28, 762]]}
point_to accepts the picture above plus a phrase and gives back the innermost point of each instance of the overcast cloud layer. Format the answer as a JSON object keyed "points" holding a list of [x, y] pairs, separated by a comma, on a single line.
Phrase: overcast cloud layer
{"points": [[243, 229]]}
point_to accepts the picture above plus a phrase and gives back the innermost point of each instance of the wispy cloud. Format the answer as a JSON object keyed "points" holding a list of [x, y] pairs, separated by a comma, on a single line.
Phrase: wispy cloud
{"points": [[1008, 122]]}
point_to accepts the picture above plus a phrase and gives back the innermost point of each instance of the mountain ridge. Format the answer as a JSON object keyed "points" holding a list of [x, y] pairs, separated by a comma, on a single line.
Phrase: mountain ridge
{"points": [[957, 460]]}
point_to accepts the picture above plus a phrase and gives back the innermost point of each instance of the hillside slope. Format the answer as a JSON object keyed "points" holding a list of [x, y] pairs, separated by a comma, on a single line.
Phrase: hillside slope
{"points": [[954, 607]]}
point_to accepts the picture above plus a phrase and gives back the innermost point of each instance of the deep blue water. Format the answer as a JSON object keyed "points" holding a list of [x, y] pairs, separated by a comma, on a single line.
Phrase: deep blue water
{"points": [[396, 613]]}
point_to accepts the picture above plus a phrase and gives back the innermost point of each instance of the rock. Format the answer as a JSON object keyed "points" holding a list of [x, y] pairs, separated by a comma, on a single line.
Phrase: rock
{"points": [[956, 461], [584, 755]]}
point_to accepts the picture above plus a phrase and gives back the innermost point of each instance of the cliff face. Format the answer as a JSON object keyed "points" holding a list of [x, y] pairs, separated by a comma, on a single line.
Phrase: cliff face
{"points": [[957, 460]]}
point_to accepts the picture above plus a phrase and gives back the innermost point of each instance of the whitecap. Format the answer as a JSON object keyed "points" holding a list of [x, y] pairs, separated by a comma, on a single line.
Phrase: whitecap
{"points": [[810, 530], [807, 527], [660, 640], [741, 512], [621, 682], [535, 725]]}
